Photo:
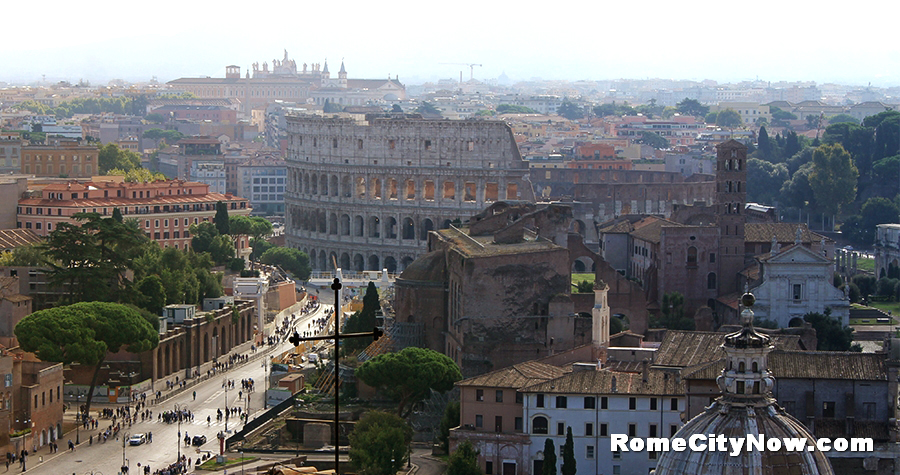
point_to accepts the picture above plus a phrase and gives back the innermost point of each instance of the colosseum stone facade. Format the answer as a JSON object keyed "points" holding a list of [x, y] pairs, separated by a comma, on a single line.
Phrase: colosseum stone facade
{"points": [[367, 192]]}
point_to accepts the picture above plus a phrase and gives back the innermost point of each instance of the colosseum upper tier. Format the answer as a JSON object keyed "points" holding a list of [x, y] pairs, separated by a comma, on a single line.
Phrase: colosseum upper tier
{"points": [[366, 192]]}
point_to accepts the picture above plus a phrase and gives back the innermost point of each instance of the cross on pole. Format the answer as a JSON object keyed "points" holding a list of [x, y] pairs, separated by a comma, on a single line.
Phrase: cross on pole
{"points": [[337, 337]]}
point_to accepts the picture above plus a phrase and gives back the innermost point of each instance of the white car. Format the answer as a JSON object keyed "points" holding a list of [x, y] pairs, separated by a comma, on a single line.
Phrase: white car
{"points": [[137, 439]]}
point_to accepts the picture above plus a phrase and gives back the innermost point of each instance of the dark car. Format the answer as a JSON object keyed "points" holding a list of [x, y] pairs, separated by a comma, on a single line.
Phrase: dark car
{"points": [[198, 440]]}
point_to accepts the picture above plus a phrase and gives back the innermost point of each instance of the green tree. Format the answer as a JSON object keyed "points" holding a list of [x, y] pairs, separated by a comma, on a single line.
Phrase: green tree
{"points": [[448, 421], [260, 227], [692, 107], [260, 246], [292, 260], [764, 145], [830, 335], [221, 249], [833, 178], [860, 229], [221, 219], [570, 110], [673, 316], [111, 156], [161, 136], [729, 118], [568, 454], [23, 256], [186, 276], [410, 375], [362, 321], [549, 465], [396, 108], [859, 141], [428, 109], [764, 180], [85, 333], [91, 257], [613, 109], [137, 175], [152, 294], [238, 225], [155, 118], [654, 140], [513, 109], [886, 126], [841, 118], [331, 107], [464, 460], [711, 117], [866, 284], [202, 235], [887, 169], [379, 444]]}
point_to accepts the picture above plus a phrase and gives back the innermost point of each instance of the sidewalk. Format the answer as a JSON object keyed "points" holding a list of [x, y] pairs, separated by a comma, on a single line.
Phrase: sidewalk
{"points": [[70, 426]]}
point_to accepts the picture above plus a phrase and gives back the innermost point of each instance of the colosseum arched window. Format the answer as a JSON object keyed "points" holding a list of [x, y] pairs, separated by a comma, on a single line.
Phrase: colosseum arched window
{"points": [[361, 187], [429, 190], [323, 184], [345, 225], [410, 190], [427, 225], [345, 186], [376, 188], [392, 189], [409, 229], [390, 227], [334, 185], [358, 226], [449, 190], [314, 181], [373, 227], [332, 224]]}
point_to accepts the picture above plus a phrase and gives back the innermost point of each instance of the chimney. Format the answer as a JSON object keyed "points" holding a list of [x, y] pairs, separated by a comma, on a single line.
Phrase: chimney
{"points": [[613, 385], [645, 370]]}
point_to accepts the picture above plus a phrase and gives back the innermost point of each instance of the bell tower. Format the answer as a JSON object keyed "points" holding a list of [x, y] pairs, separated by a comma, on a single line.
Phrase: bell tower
{"points": [[731, 196]]}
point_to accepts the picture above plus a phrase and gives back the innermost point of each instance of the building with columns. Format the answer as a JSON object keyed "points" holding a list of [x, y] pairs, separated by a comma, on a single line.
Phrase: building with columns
{"points": [[365, 193]]}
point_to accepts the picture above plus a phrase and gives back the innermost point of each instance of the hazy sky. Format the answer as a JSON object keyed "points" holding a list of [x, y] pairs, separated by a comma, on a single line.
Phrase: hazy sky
{"points": [[573, 40]]}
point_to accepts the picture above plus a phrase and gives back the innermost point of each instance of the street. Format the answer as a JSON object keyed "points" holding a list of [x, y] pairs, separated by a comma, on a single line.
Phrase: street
{"points": [[106, 458]]}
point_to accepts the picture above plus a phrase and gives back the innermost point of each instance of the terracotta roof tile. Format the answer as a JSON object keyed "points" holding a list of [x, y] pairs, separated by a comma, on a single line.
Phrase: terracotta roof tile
{"points": [[516, 376], [13, 238], [610, 382], [808, 365], [691, 348]]}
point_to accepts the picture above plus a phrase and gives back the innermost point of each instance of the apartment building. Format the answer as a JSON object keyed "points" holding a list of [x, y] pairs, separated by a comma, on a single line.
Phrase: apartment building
{"points": [[63, 159], [165, 209]]}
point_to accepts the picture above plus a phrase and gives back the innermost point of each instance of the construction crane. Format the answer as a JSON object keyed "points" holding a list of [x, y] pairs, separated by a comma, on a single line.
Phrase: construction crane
{"points": [[471, 69]]}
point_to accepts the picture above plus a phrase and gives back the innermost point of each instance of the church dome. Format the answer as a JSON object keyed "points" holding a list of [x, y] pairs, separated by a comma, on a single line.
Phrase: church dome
{"points": [[746, 408]]}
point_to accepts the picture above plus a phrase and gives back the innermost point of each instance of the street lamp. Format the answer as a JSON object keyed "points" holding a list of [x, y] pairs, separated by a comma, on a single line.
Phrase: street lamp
{"points": [[124, 444], [226, 405], [178, 417], [242, 462]]}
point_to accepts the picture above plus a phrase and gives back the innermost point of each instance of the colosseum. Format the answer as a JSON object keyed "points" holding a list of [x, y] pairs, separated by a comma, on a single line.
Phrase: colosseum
{"points": [[365, 193]]}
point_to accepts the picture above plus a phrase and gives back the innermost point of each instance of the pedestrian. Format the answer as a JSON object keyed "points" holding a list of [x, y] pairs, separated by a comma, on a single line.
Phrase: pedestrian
{"points": [[195, 395], [91, 440]]}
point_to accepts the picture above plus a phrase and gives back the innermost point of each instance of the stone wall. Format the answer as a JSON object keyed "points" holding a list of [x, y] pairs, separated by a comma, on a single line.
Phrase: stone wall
{"points": [[366, 193]]}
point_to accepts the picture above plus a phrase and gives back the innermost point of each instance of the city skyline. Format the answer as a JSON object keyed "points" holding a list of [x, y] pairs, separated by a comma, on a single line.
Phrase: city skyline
{"points": [[575, 40]]}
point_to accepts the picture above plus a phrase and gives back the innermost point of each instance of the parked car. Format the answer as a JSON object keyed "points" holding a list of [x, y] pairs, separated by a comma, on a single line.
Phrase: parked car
{"points": [[137, 439], [198, 440]]}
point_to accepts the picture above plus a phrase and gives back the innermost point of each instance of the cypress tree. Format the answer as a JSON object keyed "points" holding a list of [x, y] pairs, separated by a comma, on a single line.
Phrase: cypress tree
{"points": [[568, 455], [221, 219], [549, 467]]}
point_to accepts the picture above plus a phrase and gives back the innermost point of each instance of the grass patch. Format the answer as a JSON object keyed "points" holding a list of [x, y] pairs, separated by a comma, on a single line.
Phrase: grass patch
{"points": [[576, 278], [866, 264], [229, 462], [893, 307], [866, 321]]}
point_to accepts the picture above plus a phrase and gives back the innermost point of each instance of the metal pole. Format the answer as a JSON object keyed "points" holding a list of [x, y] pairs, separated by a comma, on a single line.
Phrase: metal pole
{"points": [[124, 444], [178, 442], [336, 286]]}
